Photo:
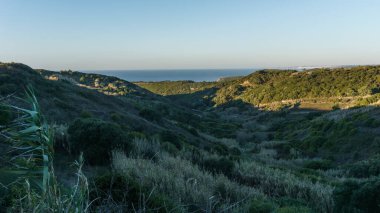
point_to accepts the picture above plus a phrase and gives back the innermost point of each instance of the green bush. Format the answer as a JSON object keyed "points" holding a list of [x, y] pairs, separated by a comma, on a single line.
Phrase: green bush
{"points": [[170, 148], [171, 137], [114, 186], [193, 131], [365, 169], [96, 139], [85, 114], [283, 150], [150, 115], [255, 150], [134, 134], [372, 123], [288, 204], [116, 193], [354, 196], [116, 117], [318, 164], [221, 165], [235, 151], [261, 206], [313, 143], [220, 149], [293, 209]]}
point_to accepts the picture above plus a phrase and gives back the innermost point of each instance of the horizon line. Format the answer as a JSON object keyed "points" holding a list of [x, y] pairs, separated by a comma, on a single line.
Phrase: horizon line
{"points": [[238, 68]]}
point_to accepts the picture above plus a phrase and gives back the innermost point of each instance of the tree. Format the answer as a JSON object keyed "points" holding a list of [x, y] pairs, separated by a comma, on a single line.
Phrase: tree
{"points": [[96, 139]]}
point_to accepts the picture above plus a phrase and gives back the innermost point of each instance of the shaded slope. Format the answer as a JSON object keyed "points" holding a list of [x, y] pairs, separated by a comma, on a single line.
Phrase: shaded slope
{"points": [[66, 96]]}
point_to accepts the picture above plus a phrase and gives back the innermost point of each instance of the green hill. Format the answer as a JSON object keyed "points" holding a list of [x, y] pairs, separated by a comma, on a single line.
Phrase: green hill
{"points": [[322, 88], [276, 85], [176, 87]]}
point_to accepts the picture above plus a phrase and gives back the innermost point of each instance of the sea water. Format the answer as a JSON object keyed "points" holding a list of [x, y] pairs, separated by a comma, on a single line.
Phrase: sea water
{"points": [[197, 75]]}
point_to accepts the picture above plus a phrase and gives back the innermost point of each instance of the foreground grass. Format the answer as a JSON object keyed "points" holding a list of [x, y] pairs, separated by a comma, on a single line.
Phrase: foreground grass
{"points": [[184, 182], [192, 188]]}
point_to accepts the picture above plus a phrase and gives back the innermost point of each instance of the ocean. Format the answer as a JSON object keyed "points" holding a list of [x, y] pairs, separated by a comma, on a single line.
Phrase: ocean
{"points": [[197, 75]]}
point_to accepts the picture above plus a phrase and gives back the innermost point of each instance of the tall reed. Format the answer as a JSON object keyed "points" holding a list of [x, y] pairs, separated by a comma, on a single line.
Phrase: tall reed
{"points": [[30, 162]]}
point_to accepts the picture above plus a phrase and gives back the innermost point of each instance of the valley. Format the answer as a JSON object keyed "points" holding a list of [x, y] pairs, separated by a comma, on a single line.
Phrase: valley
{"points": [[273, 141]]}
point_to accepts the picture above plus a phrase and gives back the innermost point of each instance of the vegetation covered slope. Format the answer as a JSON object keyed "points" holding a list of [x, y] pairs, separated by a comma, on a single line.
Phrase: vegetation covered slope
{"points": [[187, 152], [322, 88], [105, 84], [276, 85], [176, 87], [138, 112]]}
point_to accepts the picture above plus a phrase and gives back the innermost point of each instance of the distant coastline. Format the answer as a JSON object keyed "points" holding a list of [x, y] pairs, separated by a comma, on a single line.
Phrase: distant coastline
{"points": [[197, 75]]}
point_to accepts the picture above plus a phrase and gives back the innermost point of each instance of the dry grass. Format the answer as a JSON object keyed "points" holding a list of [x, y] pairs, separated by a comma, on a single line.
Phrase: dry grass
{"points": [[188, 184], [277, 183], [185, 183]]}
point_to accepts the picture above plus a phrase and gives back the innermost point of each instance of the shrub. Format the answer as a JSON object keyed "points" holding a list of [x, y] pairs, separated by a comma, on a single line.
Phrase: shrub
{"points": [[150, 115], [85, 114], [117, 193], [220, 149], [114, 186], [365, 169], [235, 151], [283, 150], [193, 131], [367, 197], [372, 123], [134, 134], [255, 150], [170, 148], [313, 143], [221, 165], [293, 209], [116, 117], [171, 137], [261, 206], [318, 164], [355, 196], [96, 139], [270, 136]]}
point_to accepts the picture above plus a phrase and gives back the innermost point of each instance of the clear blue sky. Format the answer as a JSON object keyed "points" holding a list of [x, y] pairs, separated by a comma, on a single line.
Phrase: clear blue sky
{"points": [[160, 34]]}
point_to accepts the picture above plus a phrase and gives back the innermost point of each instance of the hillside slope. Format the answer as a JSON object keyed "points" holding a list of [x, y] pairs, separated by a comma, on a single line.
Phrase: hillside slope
{"points": [[66, 96], [268, 86], [220, 147], [176, 87], [320, 89]]}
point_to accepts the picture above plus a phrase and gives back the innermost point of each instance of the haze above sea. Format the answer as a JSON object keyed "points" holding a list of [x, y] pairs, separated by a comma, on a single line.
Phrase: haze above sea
{"points": [[197, 75]]}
